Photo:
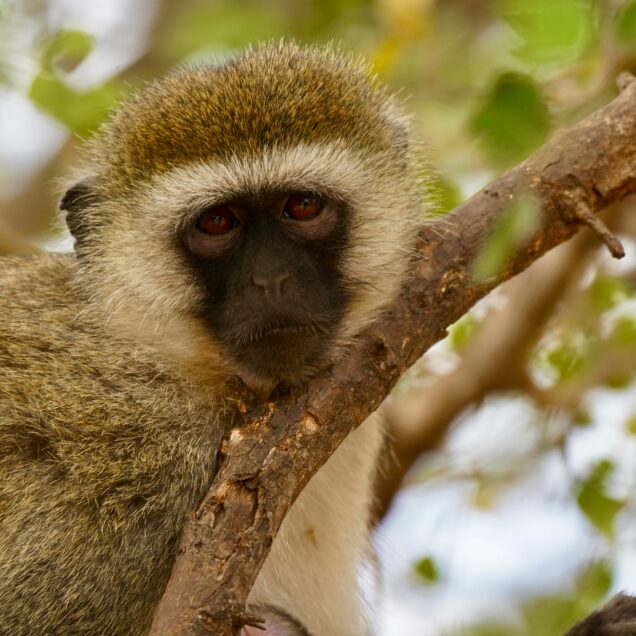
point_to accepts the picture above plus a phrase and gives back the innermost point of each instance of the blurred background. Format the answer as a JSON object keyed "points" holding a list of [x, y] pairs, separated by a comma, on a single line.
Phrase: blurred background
{"points": [[508, 504]]}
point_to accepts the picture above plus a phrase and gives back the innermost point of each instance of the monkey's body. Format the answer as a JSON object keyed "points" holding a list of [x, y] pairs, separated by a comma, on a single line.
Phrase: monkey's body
{"points": [[103, 450], [248, 219], [98, 441]]}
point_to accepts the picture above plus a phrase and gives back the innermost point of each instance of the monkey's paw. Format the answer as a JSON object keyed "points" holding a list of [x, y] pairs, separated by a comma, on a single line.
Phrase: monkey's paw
{"points": [[275, 623]]}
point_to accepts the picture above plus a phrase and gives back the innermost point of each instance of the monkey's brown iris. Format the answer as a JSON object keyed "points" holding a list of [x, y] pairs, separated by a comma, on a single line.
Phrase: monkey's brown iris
{"points": [[217, 221], [303, 207]]}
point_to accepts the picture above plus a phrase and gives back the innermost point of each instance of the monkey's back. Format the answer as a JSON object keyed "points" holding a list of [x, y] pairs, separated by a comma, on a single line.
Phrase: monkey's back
{"points": [[103, 450]]}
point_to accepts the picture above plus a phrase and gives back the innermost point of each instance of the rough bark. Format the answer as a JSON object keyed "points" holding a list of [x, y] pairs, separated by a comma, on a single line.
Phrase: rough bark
{"points": [[494, 360], [266, 462]]}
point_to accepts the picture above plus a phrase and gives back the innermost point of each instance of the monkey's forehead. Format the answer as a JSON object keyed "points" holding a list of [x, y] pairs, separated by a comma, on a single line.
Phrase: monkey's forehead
{"points": [[281, 95]]}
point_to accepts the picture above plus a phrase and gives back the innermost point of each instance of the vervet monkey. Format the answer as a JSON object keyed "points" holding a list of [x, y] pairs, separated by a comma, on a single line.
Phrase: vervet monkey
{"points": [[246, 219]]}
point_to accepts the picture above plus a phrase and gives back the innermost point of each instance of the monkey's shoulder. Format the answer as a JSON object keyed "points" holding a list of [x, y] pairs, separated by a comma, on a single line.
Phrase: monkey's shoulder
{"points": [[47, 337], [37, 302], [104, 448], [83, 395], [37, 312]]}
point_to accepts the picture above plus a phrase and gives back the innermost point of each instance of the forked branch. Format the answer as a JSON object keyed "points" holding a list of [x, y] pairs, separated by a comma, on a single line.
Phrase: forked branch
{"points": [[268, 459]]}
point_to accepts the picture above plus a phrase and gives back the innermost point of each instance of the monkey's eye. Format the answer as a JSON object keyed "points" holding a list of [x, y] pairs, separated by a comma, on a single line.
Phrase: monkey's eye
{"points": [[216, 221], [303, 207]]}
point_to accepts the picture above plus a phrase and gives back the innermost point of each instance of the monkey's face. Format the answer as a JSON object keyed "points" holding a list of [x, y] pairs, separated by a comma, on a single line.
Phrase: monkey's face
{"points": [[251, 217], [266, 264], [271, 267]]}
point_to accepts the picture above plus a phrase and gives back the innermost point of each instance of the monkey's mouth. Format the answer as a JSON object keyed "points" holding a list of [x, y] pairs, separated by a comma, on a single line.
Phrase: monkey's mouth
{"points": [[294, 329], [282, 352]]}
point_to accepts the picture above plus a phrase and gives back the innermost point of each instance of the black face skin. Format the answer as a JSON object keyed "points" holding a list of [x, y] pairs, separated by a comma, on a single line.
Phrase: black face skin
{"points": [[274, 288]]}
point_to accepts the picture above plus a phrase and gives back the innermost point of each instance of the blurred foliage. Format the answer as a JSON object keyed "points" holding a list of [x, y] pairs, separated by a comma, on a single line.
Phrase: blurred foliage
{"points": [[445, 195], [596, 504], [551, 31], [216, 26], [498, 72], [66, 50], [625, 31], [81, 111], [512, 121], [487, 82], [426, 570], [608, 291], [462, 332], [630, 425], [513, 228], [553, 615], [624, 332], [564, 356]]}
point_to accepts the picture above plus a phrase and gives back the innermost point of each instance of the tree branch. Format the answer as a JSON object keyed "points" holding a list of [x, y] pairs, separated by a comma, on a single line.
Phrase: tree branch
{"points": [[494, 359], [265, 463]]}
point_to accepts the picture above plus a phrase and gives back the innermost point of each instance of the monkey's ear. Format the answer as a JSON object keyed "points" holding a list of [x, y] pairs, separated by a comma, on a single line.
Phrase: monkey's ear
{"points": [[75, 200]]}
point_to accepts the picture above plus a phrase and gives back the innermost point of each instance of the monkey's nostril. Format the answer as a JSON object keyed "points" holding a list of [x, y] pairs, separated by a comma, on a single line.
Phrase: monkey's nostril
{"points": [[270, 284]]}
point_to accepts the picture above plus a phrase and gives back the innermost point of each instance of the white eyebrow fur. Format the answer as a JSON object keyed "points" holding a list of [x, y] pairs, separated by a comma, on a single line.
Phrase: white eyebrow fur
{"points": [[323, 168], [383, 212]]}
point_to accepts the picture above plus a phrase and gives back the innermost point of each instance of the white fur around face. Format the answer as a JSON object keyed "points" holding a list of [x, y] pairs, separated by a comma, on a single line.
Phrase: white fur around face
{"points": [[142, 283]]}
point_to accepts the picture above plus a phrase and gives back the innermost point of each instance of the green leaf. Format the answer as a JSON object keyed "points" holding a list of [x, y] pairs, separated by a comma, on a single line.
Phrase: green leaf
{"points": [[66, 50], [551, 30], [445, 194], [426, 570], [550, 615], [595, 503], [625, 25], [512, 229], [461, 332], [607, 291], [489, 629], [221, 26], [554, 614], [567, 358], [512, 121], [582, 418], [624, 331], [82, 112], [630, 425], [593, 585]]}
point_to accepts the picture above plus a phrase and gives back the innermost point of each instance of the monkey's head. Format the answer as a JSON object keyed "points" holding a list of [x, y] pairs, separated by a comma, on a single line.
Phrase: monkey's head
{"points": [[255, 214]]}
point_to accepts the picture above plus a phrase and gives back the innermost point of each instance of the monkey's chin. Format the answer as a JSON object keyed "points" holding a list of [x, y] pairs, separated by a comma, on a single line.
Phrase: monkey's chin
{"points": [[275, 359]]}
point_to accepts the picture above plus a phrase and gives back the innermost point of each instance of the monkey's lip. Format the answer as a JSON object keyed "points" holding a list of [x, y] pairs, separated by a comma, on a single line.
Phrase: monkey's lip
{"points": [[277, 339], [287, 352], [285, 329]]}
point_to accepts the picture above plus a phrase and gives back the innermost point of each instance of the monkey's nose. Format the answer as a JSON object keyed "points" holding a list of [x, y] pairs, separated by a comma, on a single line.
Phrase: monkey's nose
{"points": [[270, 284]]}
